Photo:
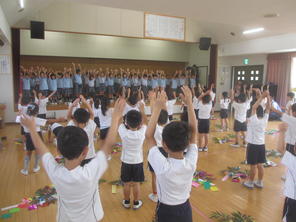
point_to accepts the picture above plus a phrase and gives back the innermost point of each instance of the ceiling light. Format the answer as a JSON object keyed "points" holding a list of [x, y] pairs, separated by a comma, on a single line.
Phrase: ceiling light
{"points": [[250, 31], [271, 15], [21, 5]]}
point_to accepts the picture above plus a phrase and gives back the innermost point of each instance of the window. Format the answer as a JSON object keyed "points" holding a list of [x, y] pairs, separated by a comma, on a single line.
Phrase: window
{"points": [[293, 75]]}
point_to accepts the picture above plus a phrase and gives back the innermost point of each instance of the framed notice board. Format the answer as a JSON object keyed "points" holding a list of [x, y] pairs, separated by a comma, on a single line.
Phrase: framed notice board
{"points": [[164, 27]]}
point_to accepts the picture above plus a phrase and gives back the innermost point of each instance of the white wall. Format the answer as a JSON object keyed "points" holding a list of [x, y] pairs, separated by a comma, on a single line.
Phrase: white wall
{"points": [[6, 87], [4, 26], [95, 19], [198, 57], [97, 46]]}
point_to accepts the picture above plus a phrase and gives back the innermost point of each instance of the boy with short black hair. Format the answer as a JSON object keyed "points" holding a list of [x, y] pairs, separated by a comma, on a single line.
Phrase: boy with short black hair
{"points": [[257, 124], [174, 174], [132, 134], [76, 185]]}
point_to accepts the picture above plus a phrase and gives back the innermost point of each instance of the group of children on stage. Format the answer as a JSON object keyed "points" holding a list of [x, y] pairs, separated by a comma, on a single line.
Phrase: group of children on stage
{"points": [[72, 82], [173, 147]]}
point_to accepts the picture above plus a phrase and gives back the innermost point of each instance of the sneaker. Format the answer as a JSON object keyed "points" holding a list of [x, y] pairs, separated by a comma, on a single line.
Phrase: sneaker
{"points": [[126, 204], [248, 184], [200, 149], [245, 145], [258, 184], [235, 145], [35, 170], [25, 172], [109, 157], [137, 204], [205, 149], [153, 197]]}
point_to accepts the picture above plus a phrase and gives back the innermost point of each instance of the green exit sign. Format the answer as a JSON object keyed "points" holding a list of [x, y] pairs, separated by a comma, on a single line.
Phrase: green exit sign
{"points": [[246, 61]]}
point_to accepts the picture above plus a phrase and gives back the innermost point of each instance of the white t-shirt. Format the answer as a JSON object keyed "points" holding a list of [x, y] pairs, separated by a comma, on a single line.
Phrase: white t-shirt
{"points": [[240, 111], [195, 103], [77, 189], [289, 104], [128, 108], [132, 144], [170, 106], [290, 136], [42, 103], [205, 110], [289, 160], [91, 83], [158, 135], [256, 129], [22, 109], [105, 121], [38, 121], [174, 176], [90, 129], [213, 95], [263, 103], [224, 103]]}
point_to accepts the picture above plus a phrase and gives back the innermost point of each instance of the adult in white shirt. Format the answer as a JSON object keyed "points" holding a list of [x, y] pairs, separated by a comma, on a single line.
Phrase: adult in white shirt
{"points": [[132, 134], [42, 101], [76, 185], [289, 160], [84, 119], [174, 174], [257, 124]]}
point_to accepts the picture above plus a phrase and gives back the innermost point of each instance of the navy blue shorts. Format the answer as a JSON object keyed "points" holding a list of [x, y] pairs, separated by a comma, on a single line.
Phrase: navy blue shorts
{"points": [[174, 213]]}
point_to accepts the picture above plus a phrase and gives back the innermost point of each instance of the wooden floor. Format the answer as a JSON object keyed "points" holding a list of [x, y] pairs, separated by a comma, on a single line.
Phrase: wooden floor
{"points": [[264, 205]]}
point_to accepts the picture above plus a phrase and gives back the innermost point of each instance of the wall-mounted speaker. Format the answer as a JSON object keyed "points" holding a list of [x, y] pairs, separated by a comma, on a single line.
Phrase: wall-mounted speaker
{"points": [[204, 43], [37, 30]]}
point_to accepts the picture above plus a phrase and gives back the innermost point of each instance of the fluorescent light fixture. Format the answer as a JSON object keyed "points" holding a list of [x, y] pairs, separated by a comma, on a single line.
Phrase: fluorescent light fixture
{"points": [[250, 31], [22, 4]]}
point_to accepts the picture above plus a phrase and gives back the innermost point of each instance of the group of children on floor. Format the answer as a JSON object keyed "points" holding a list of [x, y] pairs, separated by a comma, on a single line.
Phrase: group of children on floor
{"points": [[173, 150], [71, 82]]}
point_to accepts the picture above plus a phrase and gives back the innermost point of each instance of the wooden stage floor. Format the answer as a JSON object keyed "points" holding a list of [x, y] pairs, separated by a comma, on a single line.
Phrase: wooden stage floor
{"points": [[264, 205]]}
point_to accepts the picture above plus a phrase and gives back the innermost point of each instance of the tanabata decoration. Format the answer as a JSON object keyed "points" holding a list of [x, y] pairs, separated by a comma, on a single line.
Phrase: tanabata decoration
{"points": [[116, 182], [43, 197], [271, 132], [233, 217], [117, 148], [222, 140], [235, 173], [18, 141], [202, 178], [273, 153]]}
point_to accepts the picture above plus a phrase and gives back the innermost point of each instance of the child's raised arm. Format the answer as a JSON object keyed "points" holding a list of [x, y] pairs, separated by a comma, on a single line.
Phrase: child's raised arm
{"points": [[88, 107], [258, 102], [281, 140], [187, 98], [158, 105], [71, 107]]}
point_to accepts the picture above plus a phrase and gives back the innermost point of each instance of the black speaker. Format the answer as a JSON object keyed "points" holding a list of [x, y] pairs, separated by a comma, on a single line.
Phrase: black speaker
{"points": [[37, 30], [204, 43]]}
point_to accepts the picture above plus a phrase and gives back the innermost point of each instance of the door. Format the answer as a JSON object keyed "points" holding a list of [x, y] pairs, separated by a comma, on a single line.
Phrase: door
{"points": [[248, 74]]}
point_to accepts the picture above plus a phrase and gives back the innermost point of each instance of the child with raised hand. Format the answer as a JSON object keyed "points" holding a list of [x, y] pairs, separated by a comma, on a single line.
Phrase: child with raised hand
{"points": [[224, 105], [84, 119], [132, 134], [257, 124], [76, 185], [42, 101], [204, 115], [173, 174]]}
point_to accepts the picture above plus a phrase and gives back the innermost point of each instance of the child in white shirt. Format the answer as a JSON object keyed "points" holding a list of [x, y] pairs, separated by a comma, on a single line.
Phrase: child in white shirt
{"points": [[224, 105], [204, 115], [173, 174], [42, 101], [84, 119], [132, 134], [32, 111], [76, 185], [241, 105], [171, 102], [291, 101], [162, 121], [257, 124], [289, 160], [22, 106]]}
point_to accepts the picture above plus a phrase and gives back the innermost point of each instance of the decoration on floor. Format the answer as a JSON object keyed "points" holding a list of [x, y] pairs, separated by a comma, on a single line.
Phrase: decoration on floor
{"points": [[235, 173], [222, 140], [273, 153], [43, 197], [102, 181], [271, 132], [233, 217], [116, 182], [117, 148], [18, 141], [202, 178]]}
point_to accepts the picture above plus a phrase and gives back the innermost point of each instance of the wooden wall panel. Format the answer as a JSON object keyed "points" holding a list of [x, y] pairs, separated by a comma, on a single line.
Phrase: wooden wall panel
{"points": [[58, 63]]}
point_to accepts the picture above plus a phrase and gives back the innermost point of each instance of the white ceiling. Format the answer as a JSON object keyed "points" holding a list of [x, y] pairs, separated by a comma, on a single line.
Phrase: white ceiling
{"points": [[217, 17]]}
